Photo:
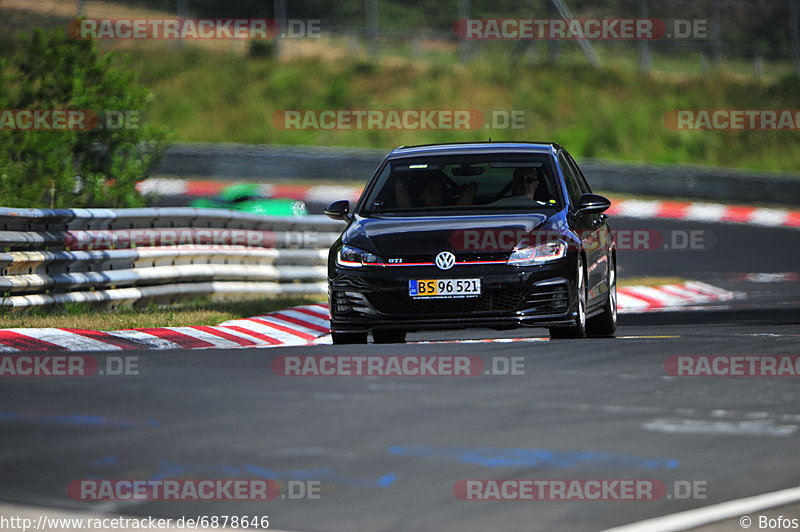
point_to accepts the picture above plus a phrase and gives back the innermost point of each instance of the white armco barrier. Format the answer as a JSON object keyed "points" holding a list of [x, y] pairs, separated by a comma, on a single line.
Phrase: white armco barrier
{"points": [[127, 256]]}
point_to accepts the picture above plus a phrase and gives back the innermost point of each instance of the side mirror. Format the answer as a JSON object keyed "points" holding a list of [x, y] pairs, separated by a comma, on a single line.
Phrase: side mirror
{"points": [[592, 204], [339, 210]]}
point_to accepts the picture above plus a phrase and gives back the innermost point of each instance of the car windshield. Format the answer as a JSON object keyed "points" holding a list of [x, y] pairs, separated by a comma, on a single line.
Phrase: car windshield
{"points": [[458, 185]]}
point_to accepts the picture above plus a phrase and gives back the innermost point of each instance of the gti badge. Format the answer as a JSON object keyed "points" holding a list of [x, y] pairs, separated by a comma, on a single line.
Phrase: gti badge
{"points": [[445, 260]]}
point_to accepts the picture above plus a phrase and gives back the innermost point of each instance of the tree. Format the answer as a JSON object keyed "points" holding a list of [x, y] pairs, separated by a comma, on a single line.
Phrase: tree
{"points": [[97, 166]]}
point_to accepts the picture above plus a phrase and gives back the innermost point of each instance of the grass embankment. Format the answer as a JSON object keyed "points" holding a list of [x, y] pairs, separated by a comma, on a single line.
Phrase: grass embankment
{"points": [[606, 113], [212, 91], [198, 312]]}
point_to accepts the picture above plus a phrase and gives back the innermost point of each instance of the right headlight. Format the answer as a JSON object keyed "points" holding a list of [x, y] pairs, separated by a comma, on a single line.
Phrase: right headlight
{"points": [[353, 257], [538, 254]]}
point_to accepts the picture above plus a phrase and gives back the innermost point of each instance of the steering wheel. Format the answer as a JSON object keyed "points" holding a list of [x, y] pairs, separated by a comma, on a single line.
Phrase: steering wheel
{"points": [[502, 193]]}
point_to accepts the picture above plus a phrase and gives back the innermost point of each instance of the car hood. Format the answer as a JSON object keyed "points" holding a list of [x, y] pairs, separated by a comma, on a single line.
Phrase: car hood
{"points": [[430, 235]]}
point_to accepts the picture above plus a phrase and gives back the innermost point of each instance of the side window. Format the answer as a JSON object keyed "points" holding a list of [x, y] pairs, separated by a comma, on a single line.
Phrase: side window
{"points": [[582, 184], [571, 181]]}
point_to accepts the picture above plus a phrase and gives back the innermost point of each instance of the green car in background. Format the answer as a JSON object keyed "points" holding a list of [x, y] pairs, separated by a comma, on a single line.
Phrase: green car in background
{"points": [[246, 198]]}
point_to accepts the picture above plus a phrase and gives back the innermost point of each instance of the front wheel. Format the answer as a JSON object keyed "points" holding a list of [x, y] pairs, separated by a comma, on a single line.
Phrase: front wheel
{"points": [[349, 338], [579, 329], [605, 324]]}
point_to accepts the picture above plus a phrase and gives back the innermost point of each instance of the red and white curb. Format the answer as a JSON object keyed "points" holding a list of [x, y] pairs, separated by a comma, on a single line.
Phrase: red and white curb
{"points": [[631, 208], [304, 325], [705, 212], [295, 326], [635, 299]]}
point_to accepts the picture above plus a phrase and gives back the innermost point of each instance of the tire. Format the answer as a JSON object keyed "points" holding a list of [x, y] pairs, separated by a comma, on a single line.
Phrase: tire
{"points": [[384, 336], [605, 324], [349, 338], [579, 329]]}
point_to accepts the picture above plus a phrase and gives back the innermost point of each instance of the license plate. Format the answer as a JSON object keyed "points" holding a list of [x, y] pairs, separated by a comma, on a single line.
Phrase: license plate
{"points": [[428, 288]]}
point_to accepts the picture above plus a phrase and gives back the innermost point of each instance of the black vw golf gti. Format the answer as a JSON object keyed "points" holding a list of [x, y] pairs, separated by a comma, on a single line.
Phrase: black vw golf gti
{"points": [[487, 234]]}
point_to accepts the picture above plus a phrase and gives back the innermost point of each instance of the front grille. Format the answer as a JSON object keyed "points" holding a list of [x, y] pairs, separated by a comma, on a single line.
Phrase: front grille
{"points": [[491, 301], [460, 257], [505, 299]]}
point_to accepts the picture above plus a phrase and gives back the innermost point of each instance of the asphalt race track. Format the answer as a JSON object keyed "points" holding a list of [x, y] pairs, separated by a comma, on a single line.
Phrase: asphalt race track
{"points": [[387, 451]]}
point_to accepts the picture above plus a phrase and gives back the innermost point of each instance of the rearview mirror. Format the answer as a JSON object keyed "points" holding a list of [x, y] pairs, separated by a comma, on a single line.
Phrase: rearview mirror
{"points": [[338, 210], [592, 204], [467, 170]]}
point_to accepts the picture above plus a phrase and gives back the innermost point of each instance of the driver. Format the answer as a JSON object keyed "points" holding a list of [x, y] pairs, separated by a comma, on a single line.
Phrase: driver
{"points": [[525, 182]]}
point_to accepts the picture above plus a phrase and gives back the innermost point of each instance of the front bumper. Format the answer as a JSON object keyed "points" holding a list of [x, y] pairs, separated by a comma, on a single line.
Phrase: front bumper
{"points": [[511, 297]]}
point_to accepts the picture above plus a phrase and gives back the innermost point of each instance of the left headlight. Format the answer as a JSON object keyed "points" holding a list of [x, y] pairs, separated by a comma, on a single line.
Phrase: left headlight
{"points": [[353, 257], [531, 255]]}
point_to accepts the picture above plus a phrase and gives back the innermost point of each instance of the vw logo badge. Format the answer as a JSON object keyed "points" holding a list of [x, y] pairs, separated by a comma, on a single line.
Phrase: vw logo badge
{"points": [[445, 260]]}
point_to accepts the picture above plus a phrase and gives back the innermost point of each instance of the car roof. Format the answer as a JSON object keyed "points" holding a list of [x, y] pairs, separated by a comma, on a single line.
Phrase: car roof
{"points": [[456, 148]]}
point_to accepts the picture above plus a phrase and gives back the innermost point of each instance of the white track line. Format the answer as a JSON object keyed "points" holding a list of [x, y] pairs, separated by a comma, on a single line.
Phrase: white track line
{"points": [[712, 514]]}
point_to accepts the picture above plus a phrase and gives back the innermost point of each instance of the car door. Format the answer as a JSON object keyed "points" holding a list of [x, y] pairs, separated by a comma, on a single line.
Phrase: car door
{"points": [[592, 228]]}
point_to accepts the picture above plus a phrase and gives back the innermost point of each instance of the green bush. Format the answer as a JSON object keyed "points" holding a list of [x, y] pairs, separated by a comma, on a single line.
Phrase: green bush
{"points": [[261, 49], [95, 167]]}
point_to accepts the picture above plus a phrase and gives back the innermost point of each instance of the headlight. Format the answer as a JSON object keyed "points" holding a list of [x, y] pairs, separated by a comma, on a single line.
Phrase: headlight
{"points": [[352, 257], [538, 254]]}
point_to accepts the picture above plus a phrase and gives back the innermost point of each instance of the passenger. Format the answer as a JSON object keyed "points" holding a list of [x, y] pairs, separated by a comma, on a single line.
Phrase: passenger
{"points": [[401, 193], [433, 192]]}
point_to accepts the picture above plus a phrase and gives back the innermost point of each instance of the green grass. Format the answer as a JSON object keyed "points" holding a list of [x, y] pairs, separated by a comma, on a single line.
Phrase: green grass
{"points": [[201, 311], [649, 281], [608, 113]]}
